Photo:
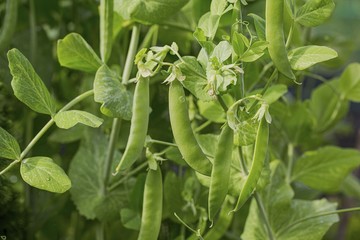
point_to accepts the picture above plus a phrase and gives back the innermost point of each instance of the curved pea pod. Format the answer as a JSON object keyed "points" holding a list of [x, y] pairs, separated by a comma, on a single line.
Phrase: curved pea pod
{"points": [[223, 222], [139, 125], [182, 131], [220, 174], [260, 150], [152, 206], [274, 13]]}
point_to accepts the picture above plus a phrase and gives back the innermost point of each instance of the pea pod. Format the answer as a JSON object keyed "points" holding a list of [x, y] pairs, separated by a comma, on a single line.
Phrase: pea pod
{"points": [[9, 24], [152, 206], [139, 125], [223, 222], [182, 131], [220, 174], [274, 12], [260, 150]]}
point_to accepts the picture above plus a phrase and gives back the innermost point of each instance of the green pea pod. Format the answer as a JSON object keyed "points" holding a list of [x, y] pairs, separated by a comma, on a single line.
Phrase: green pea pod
{"points": [[260, 150], [152, 206], [220, 174], [223, 222], [106, 28], [182, 131], [139, 125], [9, 24], [274, 12]]}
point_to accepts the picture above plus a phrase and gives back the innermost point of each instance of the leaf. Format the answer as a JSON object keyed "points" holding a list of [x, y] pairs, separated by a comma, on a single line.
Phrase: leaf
{"points": [[67, 135], [326, 168], [43, 173], [68, 119], [75, 53], [327, 105], [256, 51], [289, 219], [218, 7], [27, 85], [209, 24], [222, 51], [9, 147], [314, 12], [106, 28], [130, 219], [304, 57], [86, 172], [146, 11], [108, 90], [259, 23], [350, 82], [213, 111], [195, 80]]}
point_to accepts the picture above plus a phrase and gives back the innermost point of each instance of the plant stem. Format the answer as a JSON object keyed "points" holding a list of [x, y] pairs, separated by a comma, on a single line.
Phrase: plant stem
{"points": [[135, 171], [222, 103], [110, 152], [258, 200], [131, 53], [45, 128], [162, 142], [202, 126]]}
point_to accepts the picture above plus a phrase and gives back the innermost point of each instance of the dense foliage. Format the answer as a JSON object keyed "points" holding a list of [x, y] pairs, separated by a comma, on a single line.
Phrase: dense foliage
{"points": [[178, 119]]}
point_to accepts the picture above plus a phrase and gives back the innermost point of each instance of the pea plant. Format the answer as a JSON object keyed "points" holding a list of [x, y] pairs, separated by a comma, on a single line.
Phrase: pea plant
{"points": [[191, 123]]}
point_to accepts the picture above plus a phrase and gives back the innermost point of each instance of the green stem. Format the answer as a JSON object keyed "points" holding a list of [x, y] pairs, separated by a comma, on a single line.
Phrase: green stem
{"points": [[110, 152], [162, 142], [148, 39], [131, 53], [45, 128], [222, 103], [202, 126], [131, 173]]}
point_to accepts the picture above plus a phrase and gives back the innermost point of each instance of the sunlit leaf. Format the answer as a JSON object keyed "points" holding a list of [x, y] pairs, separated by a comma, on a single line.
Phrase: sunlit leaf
{"points": [[68, 119], [27, 85], [43, 173], [9, 147]]}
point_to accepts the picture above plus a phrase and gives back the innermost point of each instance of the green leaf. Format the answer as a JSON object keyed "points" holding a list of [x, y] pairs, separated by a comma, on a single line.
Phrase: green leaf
{"points": [[213, 111], [289, 219], [350, 82], [106, 28], [27, 85], [67, 135], [218, 7], [304, 57], [130, 219], [87, 171], [146, 11], [256, 51], [209, 24], [68, 119], [43, 173], [327, 105], [259, 23], [108, 90], [326, 168], [9, 147], [195, 80], [75, 53], [222, 51], [314, 12]]}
